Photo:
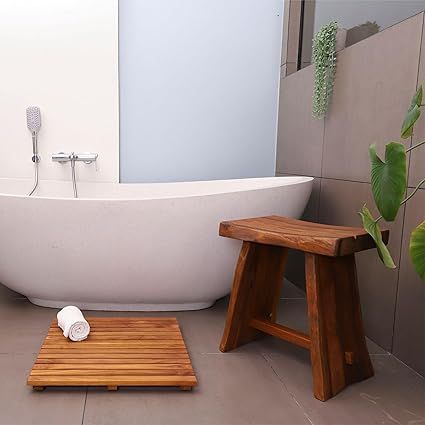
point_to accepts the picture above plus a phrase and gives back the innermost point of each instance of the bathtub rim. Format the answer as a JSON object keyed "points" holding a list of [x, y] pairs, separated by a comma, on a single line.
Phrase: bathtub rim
{"points": [[297, 180]]}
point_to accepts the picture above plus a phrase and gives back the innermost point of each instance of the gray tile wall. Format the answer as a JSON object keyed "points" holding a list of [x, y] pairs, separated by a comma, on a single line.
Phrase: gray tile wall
{"points": [[374, 83]]}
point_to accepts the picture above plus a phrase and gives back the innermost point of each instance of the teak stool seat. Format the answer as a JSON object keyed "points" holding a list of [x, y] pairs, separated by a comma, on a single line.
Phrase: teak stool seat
{"points": [[339, 356]]}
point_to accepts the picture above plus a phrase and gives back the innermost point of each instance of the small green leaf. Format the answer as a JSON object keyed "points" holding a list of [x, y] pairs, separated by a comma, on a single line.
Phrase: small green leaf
{"points": [[389, 178], [413, 114], [373, 229], [417, 249], [408, 123], [417, 98]]}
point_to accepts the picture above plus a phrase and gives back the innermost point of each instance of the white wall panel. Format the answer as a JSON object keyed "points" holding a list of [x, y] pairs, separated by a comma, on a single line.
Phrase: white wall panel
{"points": [[63, 56]]}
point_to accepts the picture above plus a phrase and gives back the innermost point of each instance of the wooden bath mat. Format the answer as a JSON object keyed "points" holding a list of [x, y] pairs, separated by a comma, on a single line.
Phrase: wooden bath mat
{"points": [[120, 351]]}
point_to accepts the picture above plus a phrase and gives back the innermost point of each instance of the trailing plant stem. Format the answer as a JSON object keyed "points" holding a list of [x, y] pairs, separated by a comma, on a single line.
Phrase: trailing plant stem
{"points": [[414, 191], [415, 146]]}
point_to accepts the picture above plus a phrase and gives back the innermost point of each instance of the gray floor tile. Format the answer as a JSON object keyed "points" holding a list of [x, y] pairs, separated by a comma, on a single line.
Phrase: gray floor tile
{"points": [[6, 294], [233, 390], [289, 290], [374, 348], [395, 395], [20, 312], [293, 313], [265, 382], [20, 405], [21, 341], [24, 326]]}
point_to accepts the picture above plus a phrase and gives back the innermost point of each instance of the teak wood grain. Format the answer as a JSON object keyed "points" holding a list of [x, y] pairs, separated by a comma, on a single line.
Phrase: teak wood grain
{"points": [[339, 356], [255, 293], [118, 352], [304, 236]]}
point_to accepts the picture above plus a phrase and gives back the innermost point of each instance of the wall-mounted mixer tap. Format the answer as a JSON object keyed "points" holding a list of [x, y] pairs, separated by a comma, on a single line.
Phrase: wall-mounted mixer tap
{"points": [[73, 157], [87, 158]]}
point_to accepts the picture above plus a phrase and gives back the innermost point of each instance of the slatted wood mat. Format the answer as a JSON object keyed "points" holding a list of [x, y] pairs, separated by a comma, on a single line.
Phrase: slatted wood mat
{"points": [[120, 351]]}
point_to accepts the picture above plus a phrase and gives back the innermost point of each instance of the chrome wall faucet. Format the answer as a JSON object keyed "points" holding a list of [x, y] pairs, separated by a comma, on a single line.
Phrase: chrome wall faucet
{"points": [[87, 158], [73, 157]]}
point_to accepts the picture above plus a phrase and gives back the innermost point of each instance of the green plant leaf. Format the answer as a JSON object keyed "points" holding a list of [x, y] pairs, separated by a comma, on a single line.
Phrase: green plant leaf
{"points": [[408, 123], [417, 249], [389, 178], [417, 98], [413, 114], [372, 227]]}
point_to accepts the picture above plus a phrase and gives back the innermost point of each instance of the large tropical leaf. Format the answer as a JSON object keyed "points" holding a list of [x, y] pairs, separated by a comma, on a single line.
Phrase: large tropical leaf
{"points": [[412, 115], [389, 178], [417, 249], [373, 229]]}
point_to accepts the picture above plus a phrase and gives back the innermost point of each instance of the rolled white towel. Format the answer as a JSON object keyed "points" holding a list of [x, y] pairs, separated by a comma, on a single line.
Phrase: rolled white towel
{"points": [[72, 322]]}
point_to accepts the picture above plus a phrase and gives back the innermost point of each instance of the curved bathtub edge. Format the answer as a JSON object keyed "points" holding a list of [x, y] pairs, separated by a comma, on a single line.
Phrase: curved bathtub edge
{"points": [[122, 307]]}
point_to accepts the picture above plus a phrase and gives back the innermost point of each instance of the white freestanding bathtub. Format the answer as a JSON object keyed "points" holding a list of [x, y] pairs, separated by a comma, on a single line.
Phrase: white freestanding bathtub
{"points": [[131, 246]]}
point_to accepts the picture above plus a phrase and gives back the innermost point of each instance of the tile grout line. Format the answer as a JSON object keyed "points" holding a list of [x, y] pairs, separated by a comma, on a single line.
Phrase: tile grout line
{"points": [[286, 388], [319, 201], [84, 407], [407, 366]]}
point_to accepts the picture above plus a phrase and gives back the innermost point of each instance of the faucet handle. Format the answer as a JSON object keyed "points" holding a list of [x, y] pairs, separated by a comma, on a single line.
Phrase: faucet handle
{"points": [[61, 157], [87, 157]]}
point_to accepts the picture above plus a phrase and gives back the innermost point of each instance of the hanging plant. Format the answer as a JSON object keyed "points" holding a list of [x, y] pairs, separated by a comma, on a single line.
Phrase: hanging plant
{"points": [[324, 61]]}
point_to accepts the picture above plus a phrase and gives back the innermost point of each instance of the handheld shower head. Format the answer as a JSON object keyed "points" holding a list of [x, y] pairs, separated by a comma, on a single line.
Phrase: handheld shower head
{"points": [[34, 125], [33, 119]]}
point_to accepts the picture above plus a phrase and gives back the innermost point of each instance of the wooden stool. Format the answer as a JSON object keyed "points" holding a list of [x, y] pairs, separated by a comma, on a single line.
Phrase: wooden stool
{"points": [[339, 356]]}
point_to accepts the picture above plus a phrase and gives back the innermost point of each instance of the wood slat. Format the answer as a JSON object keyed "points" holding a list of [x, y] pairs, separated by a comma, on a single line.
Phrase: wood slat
{"points": [[72, 363], [127, 320], [135, 326], [111, 332], [109, 344], [109, 366], [127, 337], [112, 372], [124, 361], [150, 381], [83, 355], [114, 351], [118, 352]]}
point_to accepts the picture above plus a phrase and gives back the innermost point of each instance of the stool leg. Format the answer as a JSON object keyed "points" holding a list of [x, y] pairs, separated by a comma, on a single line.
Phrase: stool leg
{"points": [[339, 354], [255, 293]]}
